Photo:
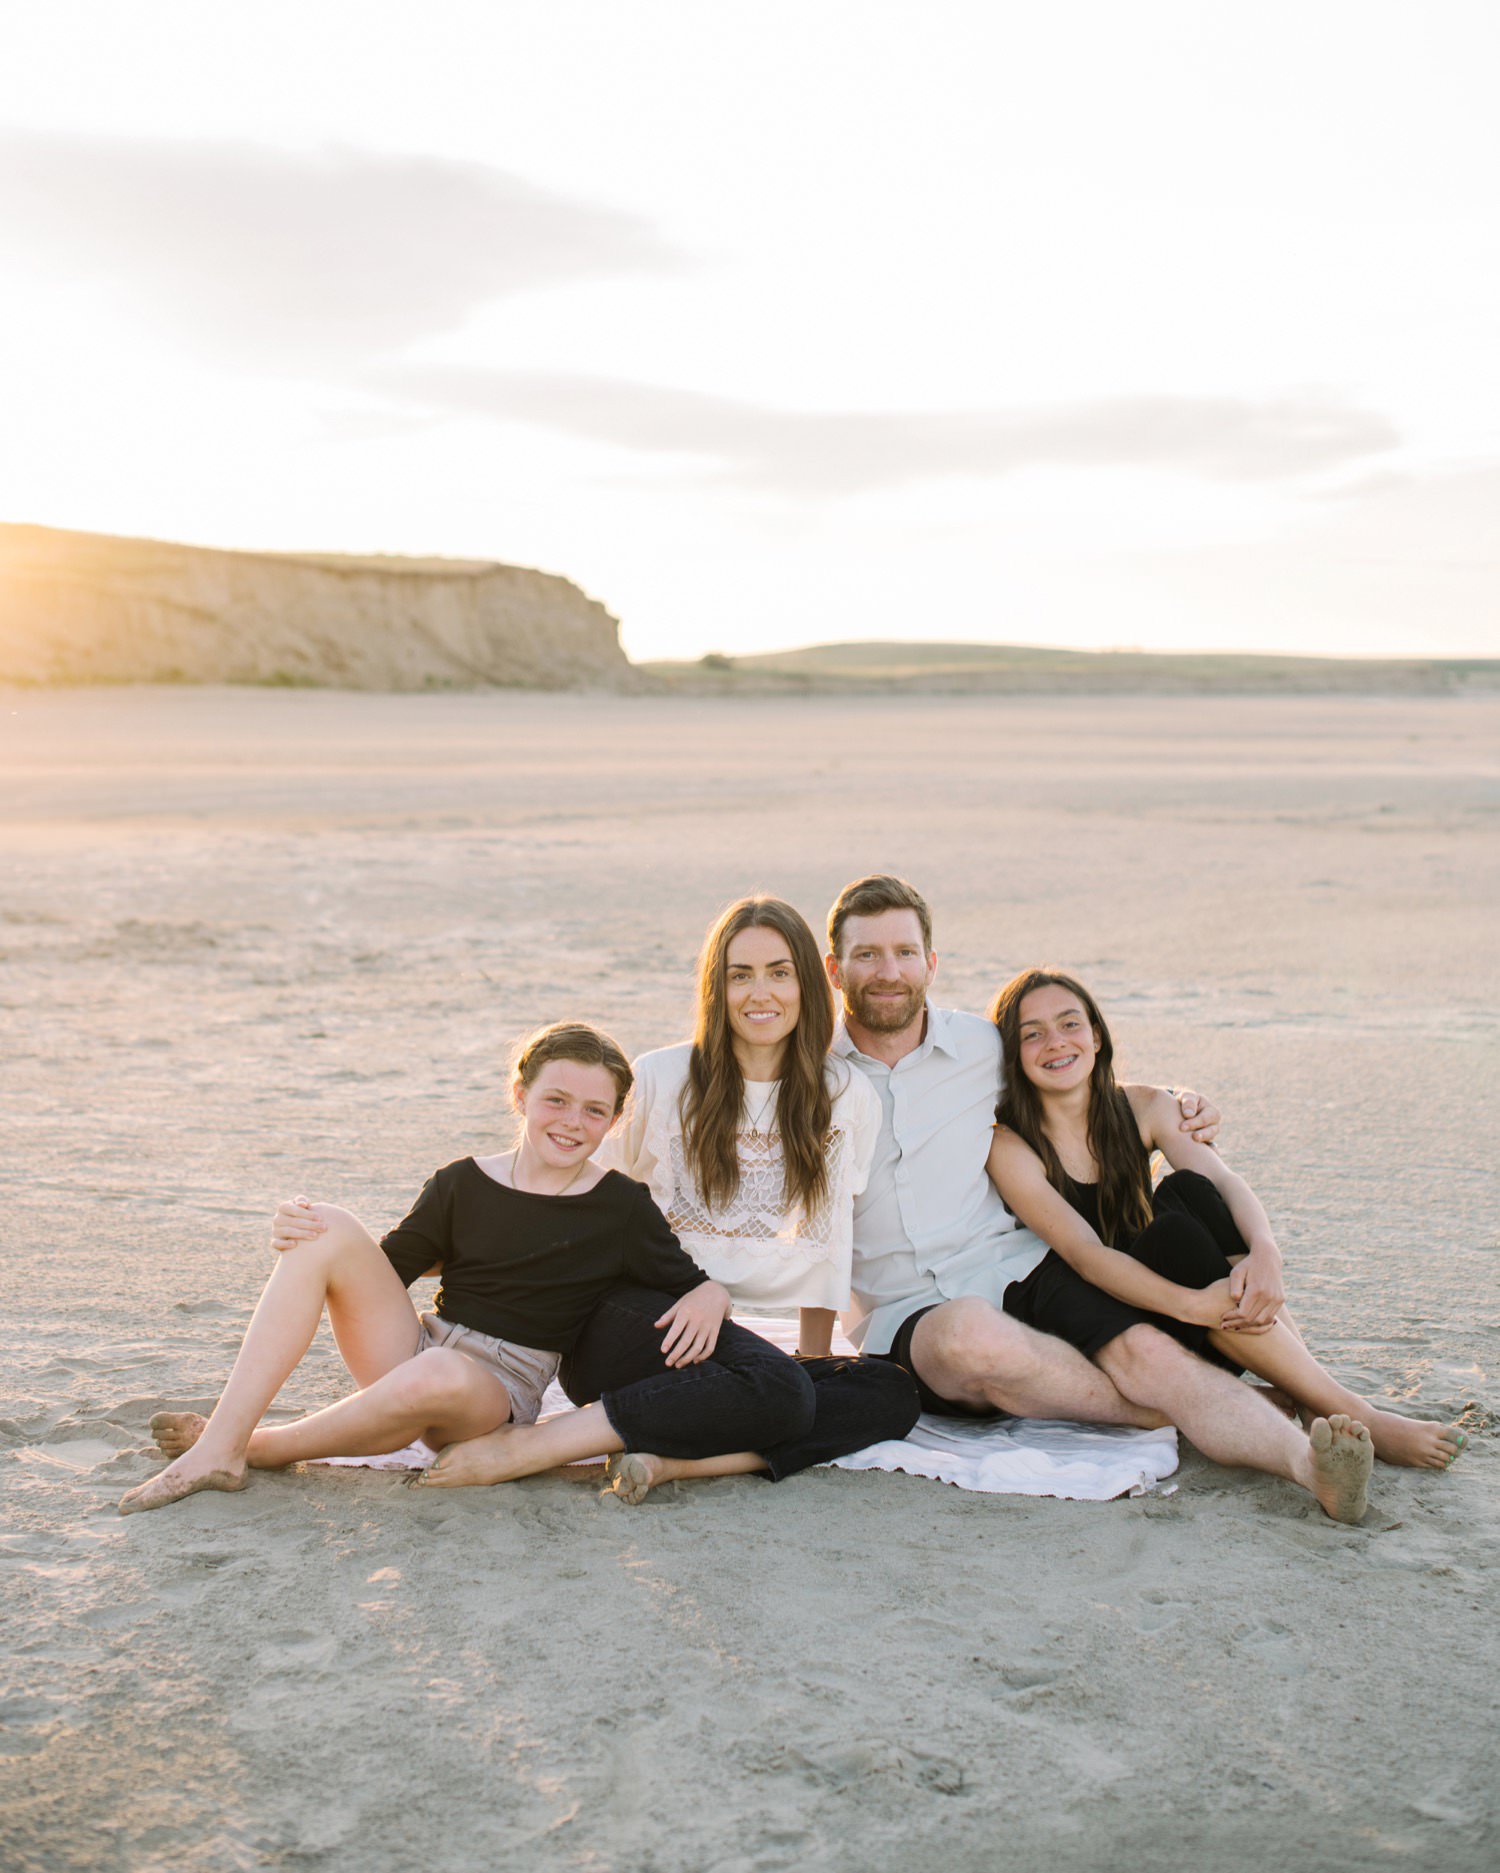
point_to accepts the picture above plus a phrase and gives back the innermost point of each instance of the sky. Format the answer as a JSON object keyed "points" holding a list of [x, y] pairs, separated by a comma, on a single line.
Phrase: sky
{"points": [[1159, 325]]}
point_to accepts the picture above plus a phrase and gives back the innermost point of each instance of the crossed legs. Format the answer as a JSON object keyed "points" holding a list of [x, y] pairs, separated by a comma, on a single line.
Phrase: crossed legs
{"points": [[971, 1352], [438, 1395], [976, 1355]]}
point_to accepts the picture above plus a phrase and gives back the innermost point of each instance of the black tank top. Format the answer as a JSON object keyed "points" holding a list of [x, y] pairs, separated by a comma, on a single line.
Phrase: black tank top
{"points": [[1085, 1199]]}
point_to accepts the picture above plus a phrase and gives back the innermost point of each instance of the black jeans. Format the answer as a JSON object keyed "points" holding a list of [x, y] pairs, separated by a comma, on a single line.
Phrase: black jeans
{"points": [[748, 1395]]}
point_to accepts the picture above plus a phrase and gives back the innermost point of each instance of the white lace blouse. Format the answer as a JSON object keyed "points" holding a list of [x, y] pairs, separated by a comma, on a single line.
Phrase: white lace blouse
{"points": [[765, 1254]]}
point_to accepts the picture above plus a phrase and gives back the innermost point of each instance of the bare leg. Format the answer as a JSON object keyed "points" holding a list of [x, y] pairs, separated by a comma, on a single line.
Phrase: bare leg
{"points": [[1283, 1358], [1228, 1422], [440, 1396], [373, 1322], [634, 1474], [975, 1354], [524, 1449]]}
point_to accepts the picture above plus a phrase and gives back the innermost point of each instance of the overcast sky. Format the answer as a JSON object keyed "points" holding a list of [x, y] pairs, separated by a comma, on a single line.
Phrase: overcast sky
{"points": [[1095, 324]]}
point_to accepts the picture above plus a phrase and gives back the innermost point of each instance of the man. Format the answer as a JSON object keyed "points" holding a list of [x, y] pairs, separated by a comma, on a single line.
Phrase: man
{"points": [[935, 1248]]}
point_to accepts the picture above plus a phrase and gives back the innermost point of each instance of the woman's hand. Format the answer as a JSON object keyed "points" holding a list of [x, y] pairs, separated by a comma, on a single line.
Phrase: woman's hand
{"points": [[295, 1221], [1257, 1291], [693, 1323]]}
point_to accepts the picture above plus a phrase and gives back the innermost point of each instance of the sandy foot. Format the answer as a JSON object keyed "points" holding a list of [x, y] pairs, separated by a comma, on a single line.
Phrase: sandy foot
{"points": [[632, 1476], [177, 1431], [1342, 1459], [1414, 1442], [487, 1459], [185, 1477]]}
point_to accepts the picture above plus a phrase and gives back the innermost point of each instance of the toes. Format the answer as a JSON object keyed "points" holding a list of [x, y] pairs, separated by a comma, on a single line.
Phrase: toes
{"points": [[1320, 1434]]}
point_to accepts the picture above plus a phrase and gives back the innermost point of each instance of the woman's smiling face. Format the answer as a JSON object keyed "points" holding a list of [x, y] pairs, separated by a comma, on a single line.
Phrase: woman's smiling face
{"points": [[762, 996], [1058, 1044]]}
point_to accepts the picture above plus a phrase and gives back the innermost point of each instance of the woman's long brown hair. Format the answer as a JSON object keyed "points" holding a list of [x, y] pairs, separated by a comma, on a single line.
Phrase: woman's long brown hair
{"points": [[713, 1098], [1114, 1138]]}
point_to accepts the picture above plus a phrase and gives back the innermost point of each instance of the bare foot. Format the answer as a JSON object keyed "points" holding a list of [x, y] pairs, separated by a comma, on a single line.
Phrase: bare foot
{"points": [[177, 1431], [1342, 1458], [185, 1477], [492, 1458], [1413, 1441], [632, 1476]]}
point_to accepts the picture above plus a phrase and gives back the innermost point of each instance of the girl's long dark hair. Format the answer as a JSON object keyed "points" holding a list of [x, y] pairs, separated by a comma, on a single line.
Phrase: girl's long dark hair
{"points": [[714, 1095], [1114, 1137]]}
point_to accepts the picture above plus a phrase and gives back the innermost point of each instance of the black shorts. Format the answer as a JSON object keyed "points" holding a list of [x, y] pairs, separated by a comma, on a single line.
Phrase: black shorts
{"points": [[934, 1402], [1056, 1299]]}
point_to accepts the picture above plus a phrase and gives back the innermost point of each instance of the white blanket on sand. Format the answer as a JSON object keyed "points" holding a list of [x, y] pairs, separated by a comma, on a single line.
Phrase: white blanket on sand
{"points": [[1011, 1457]]}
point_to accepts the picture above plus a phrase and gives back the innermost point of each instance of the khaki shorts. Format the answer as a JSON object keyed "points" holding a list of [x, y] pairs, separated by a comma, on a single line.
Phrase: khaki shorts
{"points": [[524, 1371]]}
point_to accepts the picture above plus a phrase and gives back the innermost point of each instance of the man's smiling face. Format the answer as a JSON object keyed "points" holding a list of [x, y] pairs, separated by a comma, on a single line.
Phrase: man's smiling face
{"points": [[883, 970]]}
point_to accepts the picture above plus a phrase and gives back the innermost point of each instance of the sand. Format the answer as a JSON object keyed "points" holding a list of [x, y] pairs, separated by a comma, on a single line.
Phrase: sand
{"points": [[256, 941]]}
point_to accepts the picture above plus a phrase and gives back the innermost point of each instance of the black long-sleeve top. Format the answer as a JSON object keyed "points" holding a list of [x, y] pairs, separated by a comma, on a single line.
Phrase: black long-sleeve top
{"points": [[531, 1268]]}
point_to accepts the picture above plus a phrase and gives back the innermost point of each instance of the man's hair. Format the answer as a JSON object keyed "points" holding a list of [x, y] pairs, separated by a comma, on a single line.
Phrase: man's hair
{"points": [[578, 1042], [868, 897]]}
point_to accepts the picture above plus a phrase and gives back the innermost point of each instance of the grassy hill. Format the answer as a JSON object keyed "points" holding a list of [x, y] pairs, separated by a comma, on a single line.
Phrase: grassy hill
{"points": [[1001, 668]]}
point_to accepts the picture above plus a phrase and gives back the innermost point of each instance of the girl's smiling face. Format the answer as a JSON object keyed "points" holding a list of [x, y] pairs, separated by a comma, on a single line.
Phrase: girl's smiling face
{"points": [[1058, 1043], [567, 1110]]}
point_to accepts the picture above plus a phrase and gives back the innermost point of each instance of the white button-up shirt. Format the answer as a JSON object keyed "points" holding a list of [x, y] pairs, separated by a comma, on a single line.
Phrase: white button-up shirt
{"points": [[930, 1225]]}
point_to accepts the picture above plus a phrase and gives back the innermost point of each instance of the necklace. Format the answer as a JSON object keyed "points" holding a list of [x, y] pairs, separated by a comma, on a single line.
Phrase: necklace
{"points": [[758, 1116], [516, 1184]]}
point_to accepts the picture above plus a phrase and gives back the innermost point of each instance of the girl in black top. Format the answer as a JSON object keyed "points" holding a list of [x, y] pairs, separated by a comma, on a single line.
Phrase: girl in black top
{"points": [[527, 1243], [1196, 1257]]}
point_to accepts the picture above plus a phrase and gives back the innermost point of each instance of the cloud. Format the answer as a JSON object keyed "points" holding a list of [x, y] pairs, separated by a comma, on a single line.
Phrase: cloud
{"points": [[847, 452], [290, 259], [1407, 567]]}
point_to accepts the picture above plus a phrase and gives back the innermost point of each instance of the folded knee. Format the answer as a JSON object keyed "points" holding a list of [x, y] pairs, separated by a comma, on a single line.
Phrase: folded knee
{"points": [[1139, 1355], [971, 1338], [341, 1228], [787, 1403], [434, 1381], [890, 1396]]}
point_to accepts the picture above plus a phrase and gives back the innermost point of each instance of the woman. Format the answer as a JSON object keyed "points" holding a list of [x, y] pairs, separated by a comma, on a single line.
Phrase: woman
{"points": [[1196, 1257], [754, 1143], [527, 1241]]}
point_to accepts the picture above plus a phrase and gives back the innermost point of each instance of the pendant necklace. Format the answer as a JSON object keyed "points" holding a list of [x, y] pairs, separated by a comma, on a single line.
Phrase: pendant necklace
{"points": [[758, 1118]]}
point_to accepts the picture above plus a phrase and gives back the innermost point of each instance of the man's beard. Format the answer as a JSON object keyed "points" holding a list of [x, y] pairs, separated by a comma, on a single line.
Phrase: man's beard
{"points": [[884, 1016]]}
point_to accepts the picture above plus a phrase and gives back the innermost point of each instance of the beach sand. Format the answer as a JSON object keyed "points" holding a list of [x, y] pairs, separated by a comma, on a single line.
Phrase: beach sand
{"points": [[255, 942]]}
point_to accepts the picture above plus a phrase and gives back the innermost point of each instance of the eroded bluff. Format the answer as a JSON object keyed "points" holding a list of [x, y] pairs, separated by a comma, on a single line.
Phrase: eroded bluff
{"points": [[90, 608]]}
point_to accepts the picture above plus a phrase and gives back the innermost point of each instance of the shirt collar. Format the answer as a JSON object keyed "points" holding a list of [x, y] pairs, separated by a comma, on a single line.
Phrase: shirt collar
{"points": [[939, 1035]]}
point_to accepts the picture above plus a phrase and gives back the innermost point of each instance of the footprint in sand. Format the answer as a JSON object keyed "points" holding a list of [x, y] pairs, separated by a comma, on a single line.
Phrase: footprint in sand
{"points": [[1159, 1612], [298, 1652], [1271, 1645]]}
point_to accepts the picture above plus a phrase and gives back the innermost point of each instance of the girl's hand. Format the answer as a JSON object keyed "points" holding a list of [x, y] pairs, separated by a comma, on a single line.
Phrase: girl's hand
{"points": [[1210, 1304], [295, 1221], [1257, 1292], [1200, 1117], [693, 1324]]}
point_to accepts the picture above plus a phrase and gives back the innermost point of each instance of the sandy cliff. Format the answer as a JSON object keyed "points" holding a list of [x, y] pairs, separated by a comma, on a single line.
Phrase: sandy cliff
{"points": [[85, 607]]}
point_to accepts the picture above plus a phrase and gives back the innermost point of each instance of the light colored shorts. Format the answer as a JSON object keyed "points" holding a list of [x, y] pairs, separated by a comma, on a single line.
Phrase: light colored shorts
{"points": [[524, 1371]]}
